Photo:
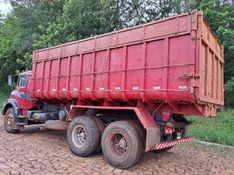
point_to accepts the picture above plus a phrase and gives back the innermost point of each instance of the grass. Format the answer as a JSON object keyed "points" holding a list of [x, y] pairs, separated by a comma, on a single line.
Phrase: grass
{"points": [[3, 96], [217, 130]]}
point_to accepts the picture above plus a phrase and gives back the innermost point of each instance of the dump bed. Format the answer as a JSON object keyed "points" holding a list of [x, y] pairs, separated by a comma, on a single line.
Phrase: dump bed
{"points": [[176, 60]]}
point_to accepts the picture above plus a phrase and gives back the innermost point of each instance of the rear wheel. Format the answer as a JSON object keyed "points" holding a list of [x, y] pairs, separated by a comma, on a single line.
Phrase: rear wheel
{"points": [[10, 122], [101, 128], [83, 136], [121, 144], [140, 130]]}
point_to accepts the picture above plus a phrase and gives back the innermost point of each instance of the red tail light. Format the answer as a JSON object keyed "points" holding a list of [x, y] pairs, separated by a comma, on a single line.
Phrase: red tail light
{"points": [[169, 128]]}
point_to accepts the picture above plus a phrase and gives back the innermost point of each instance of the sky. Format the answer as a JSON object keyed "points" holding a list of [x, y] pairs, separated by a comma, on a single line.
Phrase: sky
{"points": [[4, 6]]}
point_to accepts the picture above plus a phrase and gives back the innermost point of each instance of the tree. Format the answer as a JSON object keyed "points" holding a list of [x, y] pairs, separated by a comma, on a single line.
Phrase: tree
{"points": [[220, 16], [17, 30], [7, 55]]}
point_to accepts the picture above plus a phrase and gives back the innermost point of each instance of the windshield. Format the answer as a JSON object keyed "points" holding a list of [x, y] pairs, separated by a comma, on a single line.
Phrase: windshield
{"points": [[22, 81]]}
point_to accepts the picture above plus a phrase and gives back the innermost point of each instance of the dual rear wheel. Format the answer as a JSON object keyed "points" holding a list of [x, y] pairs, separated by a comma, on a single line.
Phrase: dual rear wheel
{"points": [[84, 136], [121, 141], [122, 144]]}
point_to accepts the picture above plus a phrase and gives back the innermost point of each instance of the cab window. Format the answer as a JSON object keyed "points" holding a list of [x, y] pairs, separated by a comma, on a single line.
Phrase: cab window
{"points": [[22, 81]]}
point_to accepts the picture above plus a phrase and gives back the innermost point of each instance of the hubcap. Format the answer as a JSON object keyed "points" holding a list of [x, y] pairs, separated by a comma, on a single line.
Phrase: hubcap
{"points": [[10, 120], [79, 136], [119, 143]]}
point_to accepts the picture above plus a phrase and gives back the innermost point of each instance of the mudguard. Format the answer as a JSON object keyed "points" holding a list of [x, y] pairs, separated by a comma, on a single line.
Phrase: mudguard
{"points": [[11, 103]]}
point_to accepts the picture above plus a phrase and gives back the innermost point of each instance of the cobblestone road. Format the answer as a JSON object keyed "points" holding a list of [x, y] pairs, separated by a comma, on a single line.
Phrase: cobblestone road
{"points": [[37, 152]]}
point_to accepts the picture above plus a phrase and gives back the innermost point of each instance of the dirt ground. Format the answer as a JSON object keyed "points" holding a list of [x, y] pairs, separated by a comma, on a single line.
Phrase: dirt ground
{"points": [[35, 151]]}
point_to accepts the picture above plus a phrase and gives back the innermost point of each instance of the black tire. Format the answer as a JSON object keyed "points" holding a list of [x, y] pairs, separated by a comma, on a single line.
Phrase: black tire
{"points": [[101, 128], [57, 125], [83, 136], [141, 131], [121, 144], [10, 122]]}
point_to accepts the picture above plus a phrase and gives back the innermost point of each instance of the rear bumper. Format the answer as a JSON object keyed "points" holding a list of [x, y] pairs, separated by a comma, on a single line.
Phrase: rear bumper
{"points": [[173, 143]]}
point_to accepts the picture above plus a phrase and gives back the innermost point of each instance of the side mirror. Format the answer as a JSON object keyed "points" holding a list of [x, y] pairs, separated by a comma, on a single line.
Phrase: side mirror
{"points": [[10, 82]]}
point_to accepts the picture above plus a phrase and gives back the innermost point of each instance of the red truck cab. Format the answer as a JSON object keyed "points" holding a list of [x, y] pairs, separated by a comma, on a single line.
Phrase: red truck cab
{"points": [[20, 98], [19, 101], [21, 94]]}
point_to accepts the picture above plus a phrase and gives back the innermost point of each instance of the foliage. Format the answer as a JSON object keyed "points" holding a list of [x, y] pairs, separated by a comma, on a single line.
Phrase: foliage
{"points": [[34, 24], [28, 18], [220, 16], [7, 54], [4, 93], [218, 130], [229, 95]]}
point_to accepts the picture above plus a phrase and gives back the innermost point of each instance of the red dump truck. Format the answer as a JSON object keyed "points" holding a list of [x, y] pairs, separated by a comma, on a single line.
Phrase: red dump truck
{"points": [[124, 92]]}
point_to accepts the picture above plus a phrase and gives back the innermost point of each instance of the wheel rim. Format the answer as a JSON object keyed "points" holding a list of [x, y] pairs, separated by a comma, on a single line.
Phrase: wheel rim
{"points": [[119, 145], [79, 136], [10, 121]]}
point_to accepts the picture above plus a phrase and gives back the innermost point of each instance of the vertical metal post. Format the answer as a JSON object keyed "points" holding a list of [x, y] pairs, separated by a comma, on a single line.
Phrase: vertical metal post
{"points": [[68, 77], [166, 69], [124, 76]]}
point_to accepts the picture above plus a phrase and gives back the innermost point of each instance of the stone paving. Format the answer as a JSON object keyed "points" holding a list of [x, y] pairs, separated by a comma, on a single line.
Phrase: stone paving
{"points": [[35, 151]]}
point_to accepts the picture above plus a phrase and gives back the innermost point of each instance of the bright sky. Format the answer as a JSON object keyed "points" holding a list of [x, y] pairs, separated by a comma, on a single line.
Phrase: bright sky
{"points": [[5, 6]]}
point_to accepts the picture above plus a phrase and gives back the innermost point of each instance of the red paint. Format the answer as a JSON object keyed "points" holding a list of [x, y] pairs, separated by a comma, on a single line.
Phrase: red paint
{"points": [[144, 116], [160, 64], [22, 95], [170, 66]]}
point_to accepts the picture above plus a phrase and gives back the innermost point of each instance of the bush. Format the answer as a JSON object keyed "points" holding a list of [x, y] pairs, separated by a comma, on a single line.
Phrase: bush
{"points": [[229, 95], [4, 94]]}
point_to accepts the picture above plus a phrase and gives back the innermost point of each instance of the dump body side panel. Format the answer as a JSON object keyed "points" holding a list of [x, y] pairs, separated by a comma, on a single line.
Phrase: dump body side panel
{"points": [[159, 61], [144, 62]]}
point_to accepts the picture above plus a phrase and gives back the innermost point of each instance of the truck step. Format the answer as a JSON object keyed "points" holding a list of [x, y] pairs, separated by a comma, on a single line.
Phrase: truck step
{"points": [[22, 124], [20, 116], [57, 125]]}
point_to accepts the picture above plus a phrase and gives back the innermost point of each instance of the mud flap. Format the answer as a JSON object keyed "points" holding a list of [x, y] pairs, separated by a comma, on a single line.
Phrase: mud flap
{"points": [[152, 129]]}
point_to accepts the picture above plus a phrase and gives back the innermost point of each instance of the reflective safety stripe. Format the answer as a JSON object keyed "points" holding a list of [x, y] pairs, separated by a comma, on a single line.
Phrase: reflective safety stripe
{"points": [[173, 143]]}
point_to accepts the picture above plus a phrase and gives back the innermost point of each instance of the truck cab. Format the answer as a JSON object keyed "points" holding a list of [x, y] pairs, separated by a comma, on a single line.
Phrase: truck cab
{"points": [[19, 102], [20, 99], [21, 109]]}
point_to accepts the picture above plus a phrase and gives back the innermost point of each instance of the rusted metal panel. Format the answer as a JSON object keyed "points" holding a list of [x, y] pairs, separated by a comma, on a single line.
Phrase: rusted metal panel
{"points": [[211, 65]]}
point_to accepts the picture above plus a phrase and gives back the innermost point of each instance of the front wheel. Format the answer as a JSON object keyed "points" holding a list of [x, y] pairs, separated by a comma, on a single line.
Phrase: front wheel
{"points": [[10, 122], [121, 144]]}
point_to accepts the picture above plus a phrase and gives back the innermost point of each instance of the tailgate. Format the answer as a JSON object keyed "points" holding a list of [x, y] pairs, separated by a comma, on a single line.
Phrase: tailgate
{"points": [[211, 63]]}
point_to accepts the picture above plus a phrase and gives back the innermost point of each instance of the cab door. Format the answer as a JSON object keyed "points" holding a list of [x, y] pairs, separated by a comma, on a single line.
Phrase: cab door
{"points": [[21, 93]]}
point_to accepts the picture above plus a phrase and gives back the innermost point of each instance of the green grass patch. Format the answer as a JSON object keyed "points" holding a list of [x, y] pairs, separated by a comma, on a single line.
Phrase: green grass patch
{"points": [[218, 130], [4, 94]]}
